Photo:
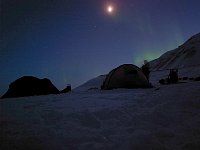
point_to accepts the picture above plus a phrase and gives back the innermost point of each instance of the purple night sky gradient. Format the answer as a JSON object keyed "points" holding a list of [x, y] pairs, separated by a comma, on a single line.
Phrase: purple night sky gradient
{"points": [[72, 41]]}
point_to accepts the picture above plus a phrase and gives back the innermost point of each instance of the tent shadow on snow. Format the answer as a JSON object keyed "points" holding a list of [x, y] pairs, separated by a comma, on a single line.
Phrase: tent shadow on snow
{"points": [[125, 76], [30, 86]]}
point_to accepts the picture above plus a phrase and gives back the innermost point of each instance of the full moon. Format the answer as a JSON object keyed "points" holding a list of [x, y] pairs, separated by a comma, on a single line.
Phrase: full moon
{"points": [[110, 9]]}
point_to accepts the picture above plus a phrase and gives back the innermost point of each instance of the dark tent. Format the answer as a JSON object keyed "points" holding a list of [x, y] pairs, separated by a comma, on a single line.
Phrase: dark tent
{"points": [[125, 76], [29, 86]]}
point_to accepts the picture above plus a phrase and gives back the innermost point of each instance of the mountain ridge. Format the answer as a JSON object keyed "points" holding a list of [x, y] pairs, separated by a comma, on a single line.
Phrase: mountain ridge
{"points": [[186, 55]]}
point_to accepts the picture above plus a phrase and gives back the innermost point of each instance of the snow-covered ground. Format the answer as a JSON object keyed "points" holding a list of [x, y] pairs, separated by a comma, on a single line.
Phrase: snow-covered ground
{"points": [[166, 117]]}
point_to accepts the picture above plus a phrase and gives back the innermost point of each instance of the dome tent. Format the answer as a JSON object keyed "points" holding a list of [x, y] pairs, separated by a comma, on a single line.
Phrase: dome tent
{"points": [[30, 86], [125, 76]]}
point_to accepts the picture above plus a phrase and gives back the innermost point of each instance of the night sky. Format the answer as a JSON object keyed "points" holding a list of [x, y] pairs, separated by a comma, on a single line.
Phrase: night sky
{"points": [[72, 41]]}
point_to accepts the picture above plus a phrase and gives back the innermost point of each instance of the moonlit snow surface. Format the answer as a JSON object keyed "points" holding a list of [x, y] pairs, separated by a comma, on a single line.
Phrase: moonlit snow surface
{"points": [[165, 117]]}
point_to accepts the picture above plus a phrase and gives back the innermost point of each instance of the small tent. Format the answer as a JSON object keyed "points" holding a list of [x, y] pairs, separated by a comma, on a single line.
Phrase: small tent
{"points": [[125, 76]]}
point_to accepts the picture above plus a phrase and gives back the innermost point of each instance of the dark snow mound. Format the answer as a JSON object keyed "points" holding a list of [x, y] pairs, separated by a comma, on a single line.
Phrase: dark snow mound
{"points": [[29, 86]]}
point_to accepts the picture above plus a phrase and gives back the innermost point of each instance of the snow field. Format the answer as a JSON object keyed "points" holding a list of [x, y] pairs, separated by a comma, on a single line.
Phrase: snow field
{"points": [[164, 117]]}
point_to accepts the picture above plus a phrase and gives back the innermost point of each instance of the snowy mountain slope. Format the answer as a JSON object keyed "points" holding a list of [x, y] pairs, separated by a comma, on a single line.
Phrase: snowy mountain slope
{"points": [[118, 119], [92, 84], [186, 55], [186, 58], [155, 76]]}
